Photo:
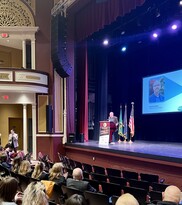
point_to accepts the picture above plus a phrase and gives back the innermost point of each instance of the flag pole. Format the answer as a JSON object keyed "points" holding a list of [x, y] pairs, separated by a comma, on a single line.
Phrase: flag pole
{"points": [[120, 128], [131, 122], [125, 125]]}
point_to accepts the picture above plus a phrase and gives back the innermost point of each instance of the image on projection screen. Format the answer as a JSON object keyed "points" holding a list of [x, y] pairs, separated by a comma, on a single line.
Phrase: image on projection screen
{"points": [[162, 93]]}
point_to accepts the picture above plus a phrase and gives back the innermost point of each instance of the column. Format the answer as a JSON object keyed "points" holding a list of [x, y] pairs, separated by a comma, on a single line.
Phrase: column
{"points": [[34, 138], [65, 114], [24, 60], [33, 54], [25, 128]]}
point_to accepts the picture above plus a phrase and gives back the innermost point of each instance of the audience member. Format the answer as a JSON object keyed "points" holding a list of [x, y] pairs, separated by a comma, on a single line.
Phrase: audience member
{"points": [[35, 194], [16, 164], [56, 174], [39, 172], [25, 168], [77, 181], [8, 190], [171, 195], [127, 199], [13, 140], [76, 199]]}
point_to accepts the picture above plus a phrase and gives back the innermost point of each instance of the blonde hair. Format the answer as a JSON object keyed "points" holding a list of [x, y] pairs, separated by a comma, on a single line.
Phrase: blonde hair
{"points": [[35, 194], [25, 167], [16, 164], [127, 199], [56, 171], [39, 168]]}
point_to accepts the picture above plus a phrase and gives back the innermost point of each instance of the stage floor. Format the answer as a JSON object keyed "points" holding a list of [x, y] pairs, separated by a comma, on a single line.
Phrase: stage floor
{"points": [[168, 151]]}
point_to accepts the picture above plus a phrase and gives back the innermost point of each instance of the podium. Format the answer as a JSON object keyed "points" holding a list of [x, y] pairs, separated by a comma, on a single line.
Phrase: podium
{"points": [[106, 130]]}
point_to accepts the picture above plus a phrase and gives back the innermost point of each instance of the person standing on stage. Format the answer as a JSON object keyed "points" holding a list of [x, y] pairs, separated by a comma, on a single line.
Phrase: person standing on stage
{"points": [[113, 119], [13, 140]]}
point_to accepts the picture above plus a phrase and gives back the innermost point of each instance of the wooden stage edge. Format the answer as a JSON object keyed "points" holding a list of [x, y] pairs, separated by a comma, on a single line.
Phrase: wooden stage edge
{"points": [[167, 168]]}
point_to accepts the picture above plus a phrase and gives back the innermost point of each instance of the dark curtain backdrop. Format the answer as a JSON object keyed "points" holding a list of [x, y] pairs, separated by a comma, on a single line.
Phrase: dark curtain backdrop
{"points": [[95, 16], [101, 89], [82, 89], [84, 18], [127, 71]]}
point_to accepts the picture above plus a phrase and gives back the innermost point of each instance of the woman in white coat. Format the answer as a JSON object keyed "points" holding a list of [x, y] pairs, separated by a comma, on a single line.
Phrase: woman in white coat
{"points": [[13, 140]]}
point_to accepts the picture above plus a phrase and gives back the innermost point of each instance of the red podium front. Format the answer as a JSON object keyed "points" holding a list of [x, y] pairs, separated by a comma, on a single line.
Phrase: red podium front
{"points": [[106, 130]]}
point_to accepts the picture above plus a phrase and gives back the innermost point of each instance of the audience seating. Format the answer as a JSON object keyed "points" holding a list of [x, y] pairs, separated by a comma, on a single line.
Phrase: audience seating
{"points": [[4, 171], [139, 184], [98, 177], [23, 181], [70, 171], [95, 184], [159, 187], [72, 164], [98, 169], [111, 189], [96, 198], [114, 199], [57, 195], [113, 172], [155, 196], [86, 175], [78, 164], [70, 191], [139, 194], [149, 177], [118, 180], [87, 167], [130, 174]]}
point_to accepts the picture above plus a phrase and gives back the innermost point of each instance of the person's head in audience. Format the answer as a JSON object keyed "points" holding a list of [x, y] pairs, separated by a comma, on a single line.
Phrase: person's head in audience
{"points": [[25, 168], [39, 168], [77, 174], [56, 171], [16, 164], [35, 194], [172, 194], [127, 199], [8, 189], [76, 199]]}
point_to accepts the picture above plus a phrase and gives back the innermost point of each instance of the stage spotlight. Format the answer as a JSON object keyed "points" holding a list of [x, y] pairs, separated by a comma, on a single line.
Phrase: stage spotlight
{"points": [[105, 42], [123, 49], [155, 35], [174, 27], [180, 3]]}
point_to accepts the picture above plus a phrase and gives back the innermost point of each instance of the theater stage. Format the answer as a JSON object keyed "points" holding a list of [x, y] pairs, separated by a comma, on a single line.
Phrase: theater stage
{"points": [[162, 158], [168, 151]]}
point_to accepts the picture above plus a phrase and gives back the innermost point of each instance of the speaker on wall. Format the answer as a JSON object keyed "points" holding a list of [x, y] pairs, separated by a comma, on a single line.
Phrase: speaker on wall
{"points": [[49, 118], [58, 45]]}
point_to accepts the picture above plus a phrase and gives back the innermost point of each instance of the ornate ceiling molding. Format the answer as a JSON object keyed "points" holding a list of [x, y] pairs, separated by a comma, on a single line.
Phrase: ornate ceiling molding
{"points": [[15, 13]]}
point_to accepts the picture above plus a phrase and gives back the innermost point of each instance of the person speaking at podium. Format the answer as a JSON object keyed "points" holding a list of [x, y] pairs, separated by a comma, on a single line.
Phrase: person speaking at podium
{"points": [[113, 126]]}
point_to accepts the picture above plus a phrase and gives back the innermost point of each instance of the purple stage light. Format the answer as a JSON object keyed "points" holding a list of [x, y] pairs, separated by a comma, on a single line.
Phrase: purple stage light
{"points": [[155, 35], [174, 27]]}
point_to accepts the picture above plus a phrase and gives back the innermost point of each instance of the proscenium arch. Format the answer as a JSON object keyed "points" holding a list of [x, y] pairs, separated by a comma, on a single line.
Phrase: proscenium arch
{"points": [[16, 13]]}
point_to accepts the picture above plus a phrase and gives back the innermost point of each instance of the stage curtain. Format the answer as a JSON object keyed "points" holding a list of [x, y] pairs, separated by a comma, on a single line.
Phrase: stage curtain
{"points": [[101, 91], [95, 15], [82, 89]]}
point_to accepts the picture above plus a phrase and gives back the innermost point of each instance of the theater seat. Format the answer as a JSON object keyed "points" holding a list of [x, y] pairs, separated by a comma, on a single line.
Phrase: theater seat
{"points": [[96, 198]]}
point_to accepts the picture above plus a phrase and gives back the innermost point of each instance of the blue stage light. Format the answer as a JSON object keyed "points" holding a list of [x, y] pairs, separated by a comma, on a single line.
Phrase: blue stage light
{"points": [[123, 49]]}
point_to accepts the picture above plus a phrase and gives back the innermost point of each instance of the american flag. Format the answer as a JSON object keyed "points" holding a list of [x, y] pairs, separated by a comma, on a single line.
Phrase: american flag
{"points": [[131, 121]]}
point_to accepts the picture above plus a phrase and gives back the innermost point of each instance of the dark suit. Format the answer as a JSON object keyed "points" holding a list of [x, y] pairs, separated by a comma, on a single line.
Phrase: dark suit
{"points": [[79, 184]]}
